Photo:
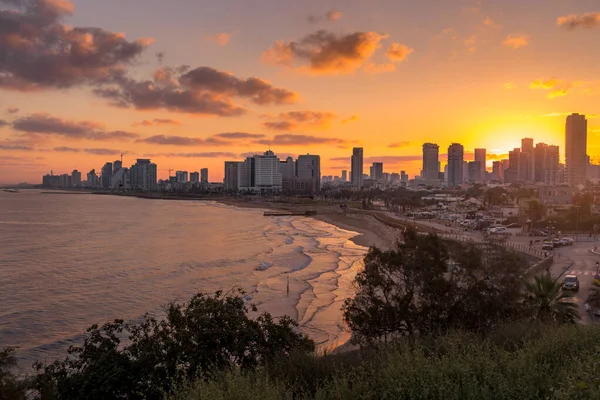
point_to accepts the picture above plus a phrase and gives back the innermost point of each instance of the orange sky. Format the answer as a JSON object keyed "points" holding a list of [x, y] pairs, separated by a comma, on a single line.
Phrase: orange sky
{"points": [[316, 77]]}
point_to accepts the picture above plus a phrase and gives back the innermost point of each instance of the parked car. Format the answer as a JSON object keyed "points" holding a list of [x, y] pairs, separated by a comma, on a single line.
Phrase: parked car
{"points": [[513, 225], [556, 242], [595, 311], [538, 232], [498, 230], [566, 242], [571, 282], [548, 247]]}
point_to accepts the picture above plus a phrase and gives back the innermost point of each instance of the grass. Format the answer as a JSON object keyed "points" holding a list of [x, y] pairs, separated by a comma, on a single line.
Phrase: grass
{"points": [[517, 361]]}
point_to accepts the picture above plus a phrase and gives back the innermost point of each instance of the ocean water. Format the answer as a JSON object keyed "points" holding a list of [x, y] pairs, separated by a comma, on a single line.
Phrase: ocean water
{"points": [[69, 261]]}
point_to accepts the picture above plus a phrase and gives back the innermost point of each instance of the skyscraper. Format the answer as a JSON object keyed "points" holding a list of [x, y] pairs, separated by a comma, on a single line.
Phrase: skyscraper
{"points": [[576, 149], [107, 173], [181, 176], [194, 177], [308, 173], [552, 166], [204, 175], [539, 161], [143, 175], [455, 164], [481, 157], [431, 162], [377, 171], [261, 173], [497, 170], [344, 175], [76, 178], [526, 172], [474, 171], [231, 177], [356, 173]]}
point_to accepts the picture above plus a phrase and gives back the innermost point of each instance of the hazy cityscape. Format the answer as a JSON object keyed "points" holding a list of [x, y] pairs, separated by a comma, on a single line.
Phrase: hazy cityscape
{"points": [[299, 200]]}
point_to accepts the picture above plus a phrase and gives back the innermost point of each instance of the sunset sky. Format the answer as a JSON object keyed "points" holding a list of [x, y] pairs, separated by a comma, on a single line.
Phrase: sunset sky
{"points": [[193, 83]]}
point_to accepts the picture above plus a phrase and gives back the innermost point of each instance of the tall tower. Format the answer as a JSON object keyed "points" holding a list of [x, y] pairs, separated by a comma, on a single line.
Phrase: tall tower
{"points": [[527, 173], [431, 162], [455, 164], [356, 174], [481, 157], [576, 149]]}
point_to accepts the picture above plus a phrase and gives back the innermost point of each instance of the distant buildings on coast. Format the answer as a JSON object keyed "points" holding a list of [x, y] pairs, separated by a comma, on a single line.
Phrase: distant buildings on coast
{"points": [[266, 173]]}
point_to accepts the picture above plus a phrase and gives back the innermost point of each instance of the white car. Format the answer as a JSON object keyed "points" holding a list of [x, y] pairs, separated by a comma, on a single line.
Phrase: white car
{"points": [[498, 230]]}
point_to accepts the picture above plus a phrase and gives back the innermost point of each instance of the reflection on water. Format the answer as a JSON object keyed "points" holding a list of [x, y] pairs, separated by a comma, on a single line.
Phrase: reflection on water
{"points": [[67, 262]]}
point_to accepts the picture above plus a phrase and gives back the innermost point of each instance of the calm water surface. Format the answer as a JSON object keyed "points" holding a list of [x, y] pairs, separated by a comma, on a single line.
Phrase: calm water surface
{"points": [[70, 261]]}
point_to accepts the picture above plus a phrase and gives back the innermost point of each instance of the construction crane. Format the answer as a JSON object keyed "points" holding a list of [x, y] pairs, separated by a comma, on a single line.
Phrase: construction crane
{"points": [[170, 170]]}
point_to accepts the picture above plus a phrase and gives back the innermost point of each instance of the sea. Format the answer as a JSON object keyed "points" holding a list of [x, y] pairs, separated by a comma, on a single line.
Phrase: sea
{"points": [[68, 261]]}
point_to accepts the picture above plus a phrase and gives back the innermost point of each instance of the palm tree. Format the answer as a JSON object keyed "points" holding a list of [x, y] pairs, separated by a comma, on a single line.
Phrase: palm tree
{"points": [[545, 301]]}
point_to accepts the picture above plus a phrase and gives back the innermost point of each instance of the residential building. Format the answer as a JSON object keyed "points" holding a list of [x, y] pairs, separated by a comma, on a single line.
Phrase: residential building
{"points": [[308, 174], [288, 173], [231, 176], [107, 173], [497, 171], [204, 175], [431, 162], [344, 175], [181, 176], [194, 177], [552, 166], [511, 174], [142, 175], [455, 164], [556, 195], [576, 149], [117, 165], [76, 178], [523, 172], [481, 158], [527, 171], [92, 179], [376, 171], [356, 173], [539, 161], [474, 171], [120, 179]]}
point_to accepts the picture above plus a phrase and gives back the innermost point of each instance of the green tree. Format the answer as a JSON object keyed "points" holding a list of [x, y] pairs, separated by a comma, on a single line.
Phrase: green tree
{"points": [[11, 388], [428, 285], [545, 301], [146, 361]]}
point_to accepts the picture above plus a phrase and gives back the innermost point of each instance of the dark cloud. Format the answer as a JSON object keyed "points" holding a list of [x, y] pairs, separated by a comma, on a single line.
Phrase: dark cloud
{"points": [[194, 155], [239, 135], [98, 152], [184, 141], [3, 123], [297, 119], [397, 145], [325, 52], [12, 110], [160, 56], [65, 149], [203, 90], [157, 122], [588, 20], [38, 51], [46, 124], [385, 159], [7, 145], [331, 15], [293, 140]]}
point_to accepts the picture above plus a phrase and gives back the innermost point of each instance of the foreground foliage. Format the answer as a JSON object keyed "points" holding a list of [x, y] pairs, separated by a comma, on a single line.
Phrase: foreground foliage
{"points": [[196, 340], [526, 360]]}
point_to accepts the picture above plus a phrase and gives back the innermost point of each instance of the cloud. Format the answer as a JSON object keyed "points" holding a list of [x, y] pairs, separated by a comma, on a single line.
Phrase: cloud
{"points": [[194, 155], [325, 52], [350, 119], [557, 87], [221, 38], [46, 124], [40, 52], [160, 56], [509, 85], [565, 114], [295, 140], [3, 123], [398, 52], [239, 135], [373, 68], [397, 145], [297, 119], [10, 145], [12, 110], [157, 122], [203, 90], [515, 41], [488, 21], [98, 152], [588, 20], [385, 159], [331, 16], [183, 141]]}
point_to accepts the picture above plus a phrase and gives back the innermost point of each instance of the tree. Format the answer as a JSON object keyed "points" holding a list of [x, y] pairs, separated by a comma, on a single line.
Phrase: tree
{"points": [[545, 301], [195, 340], [593, 298], [11, 388], [428, 285]]}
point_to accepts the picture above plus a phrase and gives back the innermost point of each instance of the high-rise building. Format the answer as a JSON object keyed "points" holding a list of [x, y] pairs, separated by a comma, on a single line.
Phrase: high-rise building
{"points": [[523, 174], [511, 174], [539, 161], [377, 171], [308, 173], [431, 162], [204, 175], [497, 171], [261, 173], [288, 173], [481, 157], [76, 178], [231, 176], [344, 175], [117, 165], [455, 164], [474, 171], [181, 176], [107, 173], [92, 179], [527, 172], [552, 166], [194, 177], [142, 175], [576, 149], [356, 173]]}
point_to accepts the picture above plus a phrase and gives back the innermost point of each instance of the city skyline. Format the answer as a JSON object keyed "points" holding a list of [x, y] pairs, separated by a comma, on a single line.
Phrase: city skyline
{"points": [[479, 74]]}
